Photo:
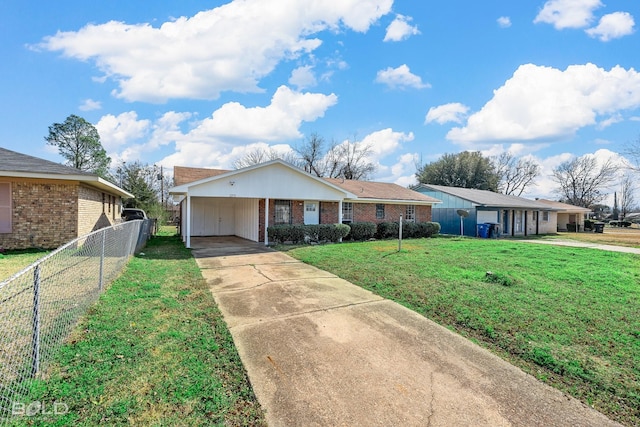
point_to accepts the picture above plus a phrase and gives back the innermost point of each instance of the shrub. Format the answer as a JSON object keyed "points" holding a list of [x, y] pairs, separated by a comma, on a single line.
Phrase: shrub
{"points": [[588, 224], [387, 230], [332, 232], [410, 230], [428, 229], [362, 230], [307, 233]]}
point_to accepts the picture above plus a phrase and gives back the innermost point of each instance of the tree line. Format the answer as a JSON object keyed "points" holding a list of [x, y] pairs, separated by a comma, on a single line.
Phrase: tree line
{"points": [[581, 181]]}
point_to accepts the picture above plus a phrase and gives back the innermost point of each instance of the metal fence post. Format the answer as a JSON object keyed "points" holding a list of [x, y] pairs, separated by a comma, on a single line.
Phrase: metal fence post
{"points": [[35, 336], [100, 282], [400, 234]]}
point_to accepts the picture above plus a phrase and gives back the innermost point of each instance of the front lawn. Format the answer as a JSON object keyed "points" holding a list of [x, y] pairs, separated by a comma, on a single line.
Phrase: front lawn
{"points": [[569, 316], [154, 350]]}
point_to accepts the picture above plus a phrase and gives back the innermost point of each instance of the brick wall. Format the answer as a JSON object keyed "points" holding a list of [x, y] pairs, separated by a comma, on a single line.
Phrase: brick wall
{"points": [[96, 209], [44, 214], [329, 212], [366, 212]]}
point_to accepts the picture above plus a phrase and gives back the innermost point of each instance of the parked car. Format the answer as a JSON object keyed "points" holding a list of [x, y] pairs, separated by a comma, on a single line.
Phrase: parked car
{"points": [[130, 214]]}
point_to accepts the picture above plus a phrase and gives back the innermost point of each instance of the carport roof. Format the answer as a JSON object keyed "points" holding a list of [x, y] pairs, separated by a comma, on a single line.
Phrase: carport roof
{"points": [[488, 198]]}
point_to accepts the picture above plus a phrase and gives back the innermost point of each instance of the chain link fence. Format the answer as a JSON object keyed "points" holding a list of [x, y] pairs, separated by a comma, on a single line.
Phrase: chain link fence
{"points": [[40, 305]]}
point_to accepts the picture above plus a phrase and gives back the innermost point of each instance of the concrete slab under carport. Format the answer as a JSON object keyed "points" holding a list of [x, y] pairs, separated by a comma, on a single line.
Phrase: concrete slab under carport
{"points": [[320, 351]]}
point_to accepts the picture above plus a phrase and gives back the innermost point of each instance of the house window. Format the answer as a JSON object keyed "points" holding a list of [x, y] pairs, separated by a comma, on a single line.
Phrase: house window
{"points": [[283, 212], [379, 211], [545, 216], [5, 207], [410, 213], [347, 212]]}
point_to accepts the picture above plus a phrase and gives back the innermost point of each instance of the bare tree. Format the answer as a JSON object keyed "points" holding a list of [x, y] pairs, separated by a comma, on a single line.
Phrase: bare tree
{"points": [[627, 198], [632, 150], [312, 155], [351, 160], [582, 182], [262, 155], [515, 174]]}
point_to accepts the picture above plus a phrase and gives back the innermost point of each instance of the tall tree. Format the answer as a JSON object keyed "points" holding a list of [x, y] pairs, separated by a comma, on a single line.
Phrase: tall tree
{"points": [[582, 182], [468, 169], [78, 142], [312, 155], [627, 197], [261, 155], [632, 151], [349, 160], [515, 174]]}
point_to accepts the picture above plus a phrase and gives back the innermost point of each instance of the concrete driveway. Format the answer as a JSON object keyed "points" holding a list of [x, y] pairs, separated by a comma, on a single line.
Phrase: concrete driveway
{"points": [[321, 351]]}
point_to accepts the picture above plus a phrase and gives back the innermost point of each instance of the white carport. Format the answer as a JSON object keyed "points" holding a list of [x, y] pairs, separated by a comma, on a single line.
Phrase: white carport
{"points": [[229, 203]]}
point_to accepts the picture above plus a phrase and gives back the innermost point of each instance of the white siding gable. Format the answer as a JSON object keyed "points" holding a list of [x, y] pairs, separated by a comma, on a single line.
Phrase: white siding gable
{"points": [[275, 181]]}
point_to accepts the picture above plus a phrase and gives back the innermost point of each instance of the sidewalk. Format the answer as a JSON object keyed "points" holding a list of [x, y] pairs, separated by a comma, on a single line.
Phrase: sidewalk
{"points": [[321, 351], [576, 244]]}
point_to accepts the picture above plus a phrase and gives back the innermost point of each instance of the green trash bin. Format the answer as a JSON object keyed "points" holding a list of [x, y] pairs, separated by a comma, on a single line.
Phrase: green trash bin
{"points": [[598, 227]]}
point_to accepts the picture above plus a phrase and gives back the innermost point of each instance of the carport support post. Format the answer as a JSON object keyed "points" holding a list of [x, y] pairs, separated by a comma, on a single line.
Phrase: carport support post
{"points": [[188, 222], [266, 221]]}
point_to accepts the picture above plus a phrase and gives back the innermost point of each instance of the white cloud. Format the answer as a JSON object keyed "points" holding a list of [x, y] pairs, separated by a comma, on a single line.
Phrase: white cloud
{"points": [[303, 77], [400, 78], [218, 140], [229, 48], [90, 105], [543, 103], [116, 131], [452, 112], [386, 141], [504, 22], [400, 29], [616, 118], [279, 120], [568, 13], [613, 26]]}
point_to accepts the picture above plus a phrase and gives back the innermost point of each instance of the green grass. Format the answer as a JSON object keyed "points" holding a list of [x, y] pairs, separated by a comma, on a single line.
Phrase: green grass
{"points": [[569, 316], [154, 350], [12, 262]]}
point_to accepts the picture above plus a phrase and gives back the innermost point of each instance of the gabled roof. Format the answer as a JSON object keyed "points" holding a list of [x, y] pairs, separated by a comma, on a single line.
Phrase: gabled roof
{"points": [[20, 165], [381, 191], [487, 198], [184, 175], [563, 206], [211, 175]]}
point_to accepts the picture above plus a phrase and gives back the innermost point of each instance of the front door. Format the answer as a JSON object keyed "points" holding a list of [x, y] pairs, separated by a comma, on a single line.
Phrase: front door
{"points": [[312, 212]]}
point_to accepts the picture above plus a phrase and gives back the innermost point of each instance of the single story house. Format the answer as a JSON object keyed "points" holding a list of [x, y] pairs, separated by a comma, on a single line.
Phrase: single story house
{"points": [[45, 204], [570, 217], [246, 201], [516, 216]]}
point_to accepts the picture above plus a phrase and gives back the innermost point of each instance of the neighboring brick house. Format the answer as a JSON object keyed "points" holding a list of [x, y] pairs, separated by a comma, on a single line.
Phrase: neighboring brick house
{"points": [[44, 204], [246, 201]]}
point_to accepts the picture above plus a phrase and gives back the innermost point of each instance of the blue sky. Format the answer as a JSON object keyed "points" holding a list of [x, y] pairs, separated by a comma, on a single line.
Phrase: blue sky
{"points": [[199, 84]]}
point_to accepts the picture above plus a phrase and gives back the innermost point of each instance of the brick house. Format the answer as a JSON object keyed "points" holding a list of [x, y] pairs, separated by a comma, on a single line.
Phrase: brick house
{"points": [[44, 204], [246, 201]]}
